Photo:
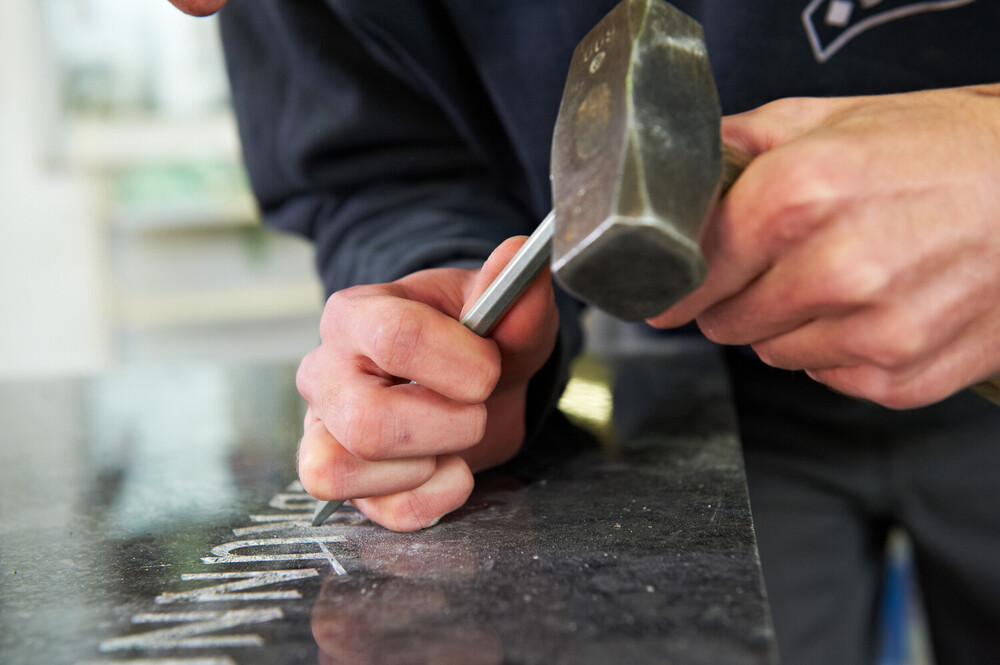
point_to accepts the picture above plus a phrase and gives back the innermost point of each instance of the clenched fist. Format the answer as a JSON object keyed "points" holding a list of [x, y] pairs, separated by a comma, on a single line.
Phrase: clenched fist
{"points": [[862, 244], [405, 403]]}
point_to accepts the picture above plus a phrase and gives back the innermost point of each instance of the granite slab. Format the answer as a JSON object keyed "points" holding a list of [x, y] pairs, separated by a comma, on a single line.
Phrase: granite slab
{"points": [[151, 515]]}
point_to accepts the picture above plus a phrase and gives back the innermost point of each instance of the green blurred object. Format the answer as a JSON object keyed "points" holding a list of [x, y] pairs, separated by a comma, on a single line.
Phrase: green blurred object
{"points": [[163, 196]]}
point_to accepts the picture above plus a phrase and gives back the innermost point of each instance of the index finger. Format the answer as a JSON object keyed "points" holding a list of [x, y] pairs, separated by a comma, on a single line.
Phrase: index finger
{"points": [[411, 340], [729, 269]]}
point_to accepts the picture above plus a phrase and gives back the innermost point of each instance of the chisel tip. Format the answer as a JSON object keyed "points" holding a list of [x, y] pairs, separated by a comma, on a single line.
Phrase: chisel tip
{"points": [[324, 509]]}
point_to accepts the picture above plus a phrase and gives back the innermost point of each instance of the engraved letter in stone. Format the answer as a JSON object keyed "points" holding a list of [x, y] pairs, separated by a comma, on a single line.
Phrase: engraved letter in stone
{"points": [[225, 553], [194, 633], [237, 589], [196, 660], [292, 501]]}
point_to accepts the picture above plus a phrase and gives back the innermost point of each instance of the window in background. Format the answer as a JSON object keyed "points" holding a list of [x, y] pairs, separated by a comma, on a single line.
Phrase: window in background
{"points": [[129, 103]]}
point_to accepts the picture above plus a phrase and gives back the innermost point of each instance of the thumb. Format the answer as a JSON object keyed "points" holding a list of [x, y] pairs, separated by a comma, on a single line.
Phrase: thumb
{"points": [[529, 326], [774, 124], [492, 267]]}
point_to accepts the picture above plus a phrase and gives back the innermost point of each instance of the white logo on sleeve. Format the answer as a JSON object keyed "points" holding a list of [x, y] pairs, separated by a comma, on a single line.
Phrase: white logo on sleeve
{"points": [[830, 24]]}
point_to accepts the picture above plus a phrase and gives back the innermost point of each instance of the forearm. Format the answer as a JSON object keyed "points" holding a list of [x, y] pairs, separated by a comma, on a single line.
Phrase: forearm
{"points": [[383, 232], [370, 169], [354, 156]]}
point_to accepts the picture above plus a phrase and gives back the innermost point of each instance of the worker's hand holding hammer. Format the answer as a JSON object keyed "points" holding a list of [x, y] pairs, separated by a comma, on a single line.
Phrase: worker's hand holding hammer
{"points": [[862, 244], [410, 448]]}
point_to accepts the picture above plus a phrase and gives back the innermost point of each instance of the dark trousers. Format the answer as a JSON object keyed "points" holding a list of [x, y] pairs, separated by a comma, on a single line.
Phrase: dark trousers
{"points": [[829, 475]]}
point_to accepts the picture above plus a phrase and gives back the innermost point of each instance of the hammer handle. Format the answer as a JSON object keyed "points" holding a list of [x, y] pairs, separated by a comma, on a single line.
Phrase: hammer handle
{"points": [[990, 389], [734, 161]]}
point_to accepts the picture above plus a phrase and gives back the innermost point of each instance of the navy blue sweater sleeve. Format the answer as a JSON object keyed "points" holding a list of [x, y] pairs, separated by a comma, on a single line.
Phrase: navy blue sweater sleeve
{"points": [[390, 163], [349, 154]]}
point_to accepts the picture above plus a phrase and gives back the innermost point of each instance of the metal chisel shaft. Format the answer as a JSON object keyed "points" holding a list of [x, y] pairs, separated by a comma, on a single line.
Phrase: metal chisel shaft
{"points": [[490, 307]]}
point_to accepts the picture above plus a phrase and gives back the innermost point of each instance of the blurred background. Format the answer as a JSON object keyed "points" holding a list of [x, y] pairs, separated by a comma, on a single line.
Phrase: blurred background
{"points": [[128, 233]]}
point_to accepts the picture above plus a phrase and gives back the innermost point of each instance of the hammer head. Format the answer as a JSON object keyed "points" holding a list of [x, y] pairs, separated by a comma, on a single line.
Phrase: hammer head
{"points": [[636, 161]]}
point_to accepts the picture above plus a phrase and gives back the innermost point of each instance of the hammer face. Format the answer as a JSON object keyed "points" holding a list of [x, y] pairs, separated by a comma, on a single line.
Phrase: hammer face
{"points": [[633, 266], [636, 161]]}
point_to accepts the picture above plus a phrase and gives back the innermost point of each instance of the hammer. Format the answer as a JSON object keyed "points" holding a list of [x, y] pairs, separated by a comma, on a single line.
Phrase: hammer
{"points": [[639, 110], [637, 166]]}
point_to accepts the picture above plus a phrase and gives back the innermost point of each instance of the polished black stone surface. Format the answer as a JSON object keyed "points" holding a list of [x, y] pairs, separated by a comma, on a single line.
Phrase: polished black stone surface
{"points": [[151, 515]]}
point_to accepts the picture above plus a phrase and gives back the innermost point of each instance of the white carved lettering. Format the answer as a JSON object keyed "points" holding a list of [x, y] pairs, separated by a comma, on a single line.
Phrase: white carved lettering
{"points": [[224, 553], [271, 527], [200, 660], [296, 501], [282, 517], [236, 590], [195, 633]]}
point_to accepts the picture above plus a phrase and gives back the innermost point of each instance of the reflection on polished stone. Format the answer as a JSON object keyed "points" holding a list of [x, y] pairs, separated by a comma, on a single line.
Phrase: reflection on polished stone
{"points": [[151, 515]]}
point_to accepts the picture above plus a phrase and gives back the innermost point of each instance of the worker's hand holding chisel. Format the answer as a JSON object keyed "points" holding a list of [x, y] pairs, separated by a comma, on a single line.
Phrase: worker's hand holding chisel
{"points": [[405, 452]]}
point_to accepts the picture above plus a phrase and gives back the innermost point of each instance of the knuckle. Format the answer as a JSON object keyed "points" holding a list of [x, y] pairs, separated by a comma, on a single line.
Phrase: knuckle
{"points": [[315, 470], [713, 327], [883, 387], [322, 485], [465, 485], [735, 320], [857, 382], [804, 201], [883, 390], [395, 339], [366, 428], [310, 483], [484, 381], [767, 354], [846, 279], [874, 385], [895, 355], [336, 305], [477, 424], [785, 110], [895, 347], [411, 514], [315, 483], [779, 120], [305, 376], [899, 400], [841, 273], [416, 510], [308, 475]]}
